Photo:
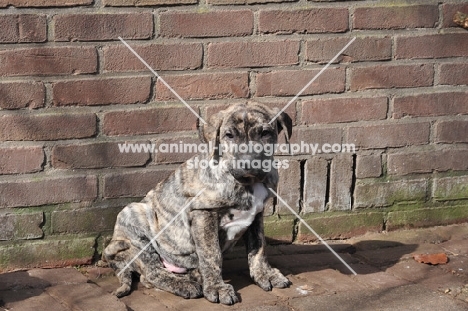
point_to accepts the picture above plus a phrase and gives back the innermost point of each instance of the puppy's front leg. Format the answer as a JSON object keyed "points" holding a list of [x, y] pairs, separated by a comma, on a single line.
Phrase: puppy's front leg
{"points": [[260, 270], [205, 237]]}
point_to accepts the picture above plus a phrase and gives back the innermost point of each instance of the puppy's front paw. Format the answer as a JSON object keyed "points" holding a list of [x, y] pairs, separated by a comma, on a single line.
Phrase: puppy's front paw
{"points": [[271, 278], [223, 293], [189, 290]]}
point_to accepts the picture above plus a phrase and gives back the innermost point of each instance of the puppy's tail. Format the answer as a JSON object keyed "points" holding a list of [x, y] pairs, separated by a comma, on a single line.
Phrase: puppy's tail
{"points": [[115, 247]]}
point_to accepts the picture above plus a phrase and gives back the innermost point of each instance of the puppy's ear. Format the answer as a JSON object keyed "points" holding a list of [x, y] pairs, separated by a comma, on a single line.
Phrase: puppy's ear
{"points": [[284, 123], [210, 131]]}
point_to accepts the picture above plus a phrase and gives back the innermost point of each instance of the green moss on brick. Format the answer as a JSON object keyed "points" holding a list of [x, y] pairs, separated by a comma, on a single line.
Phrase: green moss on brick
{"points": [[279, 230]]}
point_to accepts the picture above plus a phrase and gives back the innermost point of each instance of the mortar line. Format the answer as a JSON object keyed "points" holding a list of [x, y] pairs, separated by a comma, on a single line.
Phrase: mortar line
{"points": [[162, 80], [313, 231], [160, 232], [313, 79]]}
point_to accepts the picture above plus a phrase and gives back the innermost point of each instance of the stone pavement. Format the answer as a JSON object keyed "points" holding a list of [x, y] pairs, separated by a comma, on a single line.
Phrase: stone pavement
{"points": [[388, 279]]}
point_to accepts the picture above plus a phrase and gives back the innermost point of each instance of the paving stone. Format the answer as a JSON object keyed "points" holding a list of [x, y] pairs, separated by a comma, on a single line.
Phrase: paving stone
{"points": [[20, 280], [86, 297], [61, 276], [29, 300], [333, 281]]}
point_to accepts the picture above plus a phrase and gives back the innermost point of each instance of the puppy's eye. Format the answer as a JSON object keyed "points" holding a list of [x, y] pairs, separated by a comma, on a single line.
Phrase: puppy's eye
{"points": [[265, 133], [229, 135]]}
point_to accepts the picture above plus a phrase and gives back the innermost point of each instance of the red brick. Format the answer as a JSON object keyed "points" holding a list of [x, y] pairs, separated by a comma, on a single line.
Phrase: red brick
{"points": [[449, 10], [322, 50], [205, 86], [84, 220], [206, 24], [19, 160], [318, 136], [47, 126], [317, 20], [432, 46], [23, 28], [391, 76], [48, 61], [21, 227], [343, 110], [396, 17], [432, 104], [102, 91], [133, 184], [451, 132], [228, 2], [44, 3], [92, 27], [161, 156], [289, 187], [290, 82], [453, 74], [96, 155], [252, 54], [315, 185], [147, 2], [368, 166], [341, 179], [149, 121], [427, 161], [40, 191], [16, 95], [180, 56], [389, 135]]}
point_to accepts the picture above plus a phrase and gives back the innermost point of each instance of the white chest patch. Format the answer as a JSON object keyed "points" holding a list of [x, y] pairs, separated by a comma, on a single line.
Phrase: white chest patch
{"points": [[239, 221]]}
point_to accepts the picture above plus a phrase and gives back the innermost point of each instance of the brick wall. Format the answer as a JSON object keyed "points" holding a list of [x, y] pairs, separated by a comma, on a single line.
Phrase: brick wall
{"points": [[70, 91]]}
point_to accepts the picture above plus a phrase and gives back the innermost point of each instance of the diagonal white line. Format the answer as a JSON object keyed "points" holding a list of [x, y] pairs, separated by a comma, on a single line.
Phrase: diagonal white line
{"points": [[162, 80], [160, 232], [311, 81], [313, 231]]}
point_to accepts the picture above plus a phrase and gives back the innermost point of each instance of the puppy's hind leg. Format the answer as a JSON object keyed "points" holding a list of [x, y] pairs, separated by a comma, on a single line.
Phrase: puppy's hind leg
{"points": [[125, 279]]}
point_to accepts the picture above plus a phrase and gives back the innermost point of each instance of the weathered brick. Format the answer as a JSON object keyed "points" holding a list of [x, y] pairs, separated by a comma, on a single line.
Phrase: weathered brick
{"points": [[279, 231], [164, 154], [386, 193], [84, 220], [47, 126], [317, 137], [453, 74], [338, 110], [317, 20], [396, 17], [67, 251], [449, 10], [170, 56], [48, 61], [98, 26], [43, 3], [132, 184], [339, 226], [23, 28], [368, 166], [228, 2], [96, 155], [16, 95], [432, 46], [341, 179], [102, 91], [149, 121], [21, 226], [451, 132], [431, 104], [322, 50], [450, 188], [40, 191], [19, 160], [426, 162], [205, 86], [252, 54], [389, 135], [315, 185], [289, 187], [147, 2], [391, 76], [206, 24], [290, 82]]}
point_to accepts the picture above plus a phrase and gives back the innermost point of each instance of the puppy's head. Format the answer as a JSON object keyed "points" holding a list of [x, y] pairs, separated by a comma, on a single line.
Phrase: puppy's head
{"points": [[245, 139]]}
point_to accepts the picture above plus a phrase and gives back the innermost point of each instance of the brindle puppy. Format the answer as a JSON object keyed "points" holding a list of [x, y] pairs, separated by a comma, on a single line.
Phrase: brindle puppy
{"points": [[186, 257]]}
